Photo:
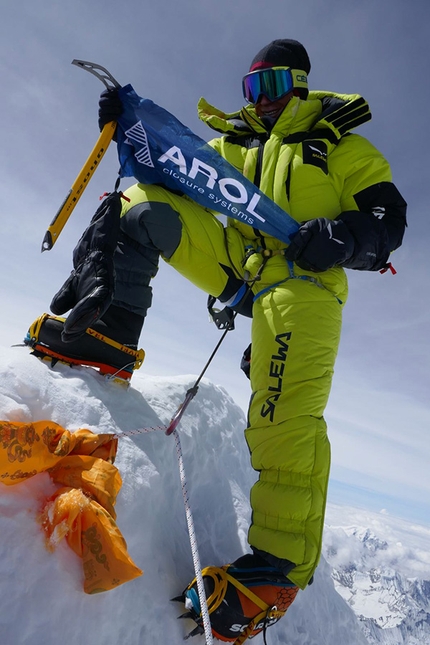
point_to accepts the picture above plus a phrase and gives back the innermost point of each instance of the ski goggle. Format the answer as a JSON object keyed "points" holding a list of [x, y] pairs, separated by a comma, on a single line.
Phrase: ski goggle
{"points": [[273, 82]]}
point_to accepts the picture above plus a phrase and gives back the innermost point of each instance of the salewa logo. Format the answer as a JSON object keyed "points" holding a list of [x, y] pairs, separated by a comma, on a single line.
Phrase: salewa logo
{"points": [[276, 375], [323, 155], [378, 211], [330, 234], [315, 154], [137, 133]]}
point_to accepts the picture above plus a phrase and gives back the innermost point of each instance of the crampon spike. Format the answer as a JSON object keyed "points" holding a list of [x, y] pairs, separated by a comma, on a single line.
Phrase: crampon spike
{"points": [[178, 599], [187, 614], [196, 632]]}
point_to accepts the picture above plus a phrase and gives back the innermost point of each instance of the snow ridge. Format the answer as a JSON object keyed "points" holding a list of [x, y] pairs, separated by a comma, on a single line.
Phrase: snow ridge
{"points": [[41, 592]]}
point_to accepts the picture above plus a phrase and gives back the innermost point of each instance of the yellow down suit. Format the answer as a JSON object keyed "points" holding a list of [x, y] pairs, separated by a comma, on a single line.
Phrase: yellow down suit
{"points": [[311, 166]]}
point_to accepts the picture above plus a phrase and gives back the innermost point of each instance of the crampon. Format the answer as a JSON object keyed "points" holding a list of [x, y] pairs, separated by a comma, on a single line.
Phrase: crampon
{"points": [[93, 349]]}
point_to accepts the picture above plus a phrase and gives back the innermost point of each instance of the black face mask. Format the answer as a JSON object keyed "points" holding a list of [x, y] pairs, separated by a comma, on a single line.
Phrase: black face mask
{"points": [[269, 122]]}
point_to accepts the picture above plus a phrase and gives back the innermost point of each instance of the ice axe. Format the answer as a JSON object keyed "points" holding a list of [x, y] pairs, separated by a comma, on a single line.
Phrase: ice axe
{"points": [[89, 167]]}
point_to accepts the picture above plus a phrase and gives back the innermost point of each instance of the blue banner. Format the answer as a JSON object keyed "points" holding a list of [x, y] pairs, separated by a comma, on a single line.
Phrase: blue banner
{"points": [[156, 148]]}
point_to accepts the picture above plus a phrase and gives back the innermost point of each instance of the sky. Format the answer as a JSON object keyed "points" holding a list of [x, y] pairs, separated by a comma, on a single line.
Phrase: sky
{"points": [[150, 516], [173, 53]]}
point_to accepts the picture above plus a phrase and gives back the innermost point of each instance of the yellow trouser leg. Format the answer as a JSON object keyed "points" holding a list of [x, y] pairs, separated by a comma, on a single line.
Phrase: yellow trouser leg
{"points": [[205, 246], [296, 330]]}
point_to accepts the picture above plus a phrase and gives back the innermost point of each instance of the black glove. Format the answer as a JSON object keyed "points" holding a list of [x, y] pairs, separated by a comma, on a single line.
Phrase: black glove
{"points": [[320, 244], [110, 107], [89, 290]]}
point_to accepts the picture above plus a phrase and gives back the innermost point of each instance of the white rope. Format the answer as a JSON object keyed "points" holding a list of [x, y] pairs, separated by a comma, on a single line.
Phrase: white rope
{"points": [[171, 430], [193, 542]]}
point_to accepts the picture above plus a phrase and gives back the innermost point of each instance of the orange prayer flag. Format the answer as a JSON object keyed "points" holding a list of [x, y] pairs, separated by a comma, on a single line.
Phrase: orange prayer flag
{"points": [[82, 512], [93, 535]]}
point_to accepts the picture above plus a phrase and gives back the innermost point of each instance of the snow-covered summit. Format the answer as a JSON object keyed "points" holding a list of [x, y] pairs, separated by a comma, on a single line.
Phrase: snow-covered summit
{"points": [[41, 593]]}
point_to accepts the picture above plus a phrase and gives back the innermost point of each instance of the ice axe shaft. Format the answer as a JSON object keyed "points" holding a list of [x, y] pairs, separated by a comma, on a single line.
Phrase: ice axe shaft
{"points": [[81, 182]]}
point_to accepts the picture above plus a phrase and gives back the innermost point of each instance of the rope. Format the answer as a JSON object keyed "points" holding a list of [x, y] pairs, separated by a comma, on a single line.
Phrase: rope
{"points": [[190, 524], [193, 543]]}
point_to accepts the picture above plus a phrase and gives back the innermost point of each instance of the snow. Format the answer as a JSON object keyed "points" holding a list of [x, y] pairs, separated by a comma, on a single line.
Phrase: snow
{"points": [[381, 567], [42, 594]]}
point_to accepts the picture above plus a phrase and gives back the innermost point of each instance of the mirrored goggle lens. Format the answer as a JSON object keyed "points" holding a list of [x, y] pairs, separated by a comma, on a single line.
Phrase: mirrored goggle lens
{"points": [[273, 83]]}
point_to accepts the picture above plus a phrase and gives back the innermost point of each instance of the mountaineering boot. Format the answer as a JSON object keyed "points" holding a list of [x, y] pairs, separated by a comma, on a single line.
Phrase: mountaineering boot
{"points": [[243, 598], [110, 345]]}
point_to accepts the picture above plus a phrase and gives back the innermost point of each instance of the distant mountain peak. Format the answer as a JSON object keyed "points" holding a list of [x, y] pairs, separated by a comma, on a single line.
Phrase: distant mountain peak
{"points": [[372, 574]]}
